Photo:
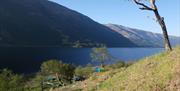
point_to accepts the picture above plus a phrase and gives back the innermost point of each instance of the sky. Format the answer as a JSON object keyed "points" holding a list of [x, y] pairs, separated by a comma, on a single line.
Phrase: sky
{"points": [[126, 13]]}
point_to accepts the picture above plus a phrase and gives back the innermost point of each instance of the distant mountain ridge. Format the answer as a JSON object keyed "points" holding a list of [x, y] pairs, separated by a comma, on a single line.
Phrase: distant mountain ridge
{"points": [[45, 23], [143, 38]]}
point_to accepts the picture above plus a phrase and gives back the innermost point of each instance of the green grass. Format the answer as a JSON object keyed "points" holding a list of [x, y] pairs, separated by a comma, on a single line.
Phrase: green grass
{"points": [[160, 72], [154, 73]]}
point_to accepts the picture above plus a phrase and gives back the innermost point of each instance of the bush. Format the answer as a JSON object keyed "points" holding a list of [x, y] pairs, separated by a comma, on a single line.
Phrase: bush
{"points": [[119, 64], [34, 83], [84, 71], [10, 81]]}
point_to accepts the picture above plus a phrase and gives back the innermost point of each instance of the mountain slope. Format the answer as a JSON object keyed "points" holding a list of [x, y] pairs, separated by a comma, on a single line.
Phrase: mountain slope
{"points": [[157, 73], [44, 23], [143, 38]]}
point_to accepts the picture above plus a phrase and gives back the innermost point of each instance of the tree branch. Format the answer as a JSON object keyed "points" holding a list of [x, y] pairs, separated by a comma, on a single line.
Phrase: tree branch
{"points": [[144, 7], [153, 5]]}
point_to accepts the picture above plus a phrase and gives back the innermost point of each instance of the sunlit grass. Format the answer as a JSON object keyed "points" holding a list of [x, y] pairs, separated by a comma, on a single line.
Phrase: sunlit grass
{"points": [[149, 74]]}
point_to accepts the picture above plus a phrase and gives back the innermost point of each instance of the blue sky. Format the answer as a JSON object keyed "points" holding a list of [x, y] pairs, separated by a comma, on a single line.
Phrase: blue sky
{"points": [[126, 13]]}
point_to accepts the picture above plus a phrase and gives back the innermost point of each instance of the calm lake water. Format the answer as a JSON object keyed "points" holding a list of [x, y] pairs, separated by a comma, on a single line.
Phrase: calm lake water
{"points": [[28, 59]]}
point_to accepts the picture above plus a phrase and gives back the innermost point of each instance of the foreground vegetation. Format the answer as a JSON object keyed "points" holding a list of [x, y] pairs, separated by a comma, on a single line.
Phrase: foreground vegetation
{"points": [[157, 73]]}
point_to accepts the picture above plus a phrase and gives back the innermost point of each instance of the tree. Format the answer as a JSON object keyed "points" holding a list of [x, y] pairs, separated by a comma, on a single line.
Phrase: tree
{"points": [[51, 67], [68, 72], [100, 54], [63, 72], [160, 20]]}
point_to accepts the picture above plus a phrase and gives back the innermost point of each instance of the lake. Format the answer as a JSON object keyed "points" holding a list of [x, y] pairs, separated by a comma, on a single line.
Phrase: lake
{"points": [[28, 59]]}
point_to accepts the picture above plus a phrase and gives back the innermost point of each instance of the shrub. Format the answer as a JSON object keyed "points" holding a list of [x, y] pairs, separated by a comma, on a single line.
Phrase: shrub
{"points": [[10, 81], [118, 64], [34, 83], [84, 71]]}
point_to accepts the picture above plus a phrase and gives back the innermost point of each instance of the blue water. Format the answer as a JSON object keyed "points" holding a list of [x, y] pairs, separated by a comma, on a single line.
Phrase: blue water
{"points": [[29, 59], [132, 54]]}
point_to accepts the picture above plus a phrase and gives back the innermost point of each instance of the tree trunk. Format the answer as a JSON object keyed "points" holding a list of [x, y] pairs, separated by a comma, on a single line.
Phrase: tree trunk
{"points": [[160, 20], [102, 64]]}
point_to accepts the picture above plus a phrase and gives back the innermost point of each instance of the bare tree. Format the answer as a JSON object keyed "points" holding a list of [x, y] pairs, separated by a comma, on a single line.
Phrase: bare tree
{"points": [[152, 7]]}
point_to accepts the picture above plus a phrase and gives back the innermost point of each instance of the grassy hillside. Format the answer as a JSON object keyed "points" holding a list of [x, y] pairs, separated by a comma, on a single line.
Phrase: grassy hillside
{"points": [[157, 73], [160, 72]]}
